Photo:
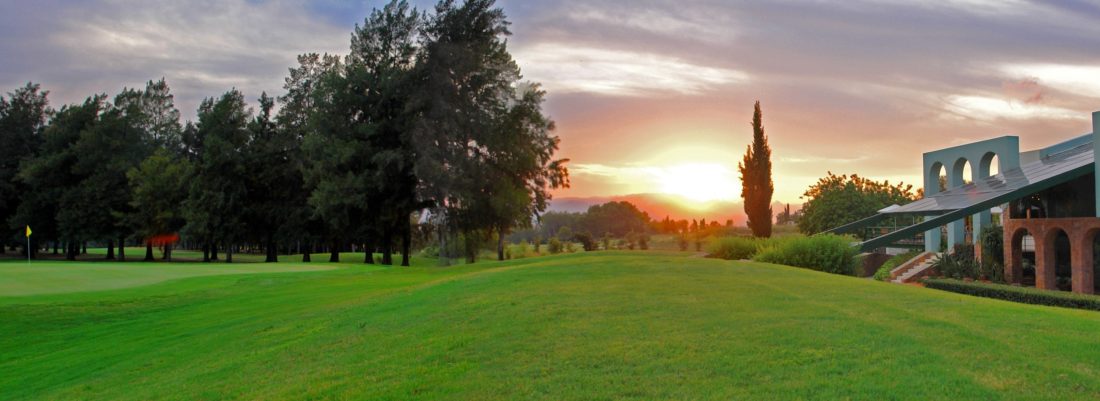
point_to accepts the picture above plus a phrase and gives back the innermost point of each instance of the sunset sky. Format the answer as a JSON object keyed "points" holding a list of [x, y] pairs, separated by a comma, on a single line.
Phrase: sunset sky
{"points": [[648, 96]]}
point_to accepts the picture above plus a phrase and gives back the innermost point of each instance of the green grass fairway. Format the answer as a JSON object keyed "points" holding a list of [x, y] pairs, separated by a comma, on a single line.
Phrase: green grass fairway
{"points": [[18, 278], [603, 326]]}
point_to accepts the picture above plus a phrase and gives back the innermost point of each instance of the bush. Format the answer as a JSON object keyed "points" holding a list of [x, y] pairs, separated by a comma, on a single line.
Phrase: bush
{"points": [[1017, 294], [519, 251], [828, 253], [883, 272], [993, 253], [554, 245], [586, 240], [732, 248], [643, 241], [430, 252], [958, 264]]}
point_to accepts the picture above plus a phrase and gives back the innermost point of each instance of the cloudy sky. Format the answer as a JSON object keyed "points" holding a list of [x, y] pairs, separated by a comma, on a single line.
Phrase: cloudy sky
{"points": [[649, 96]]}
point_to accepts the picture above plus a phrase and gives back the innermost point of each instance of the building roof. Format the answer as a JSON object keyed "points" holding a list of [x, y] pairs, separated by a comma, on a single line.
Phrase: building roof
{"points": [[1008, 185]]}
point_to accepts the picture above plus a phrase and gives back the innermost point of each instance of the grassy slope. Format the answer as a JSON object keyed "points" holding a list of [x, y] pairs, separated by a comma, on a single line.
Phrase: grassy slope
{"points": [[604, 326]]}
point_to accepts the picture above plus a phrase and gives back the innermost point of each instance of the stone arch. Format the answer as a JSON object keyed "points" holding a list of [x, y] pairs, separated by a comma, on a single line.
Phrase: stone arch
{"points": [[932, 179], [957, 179], [985, 165]]}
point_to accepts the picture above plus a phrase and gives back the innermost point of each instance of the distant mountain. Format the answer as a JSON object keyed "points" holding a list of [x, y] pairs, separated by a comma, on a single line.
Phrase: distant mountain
{"points": [[660, 205]]}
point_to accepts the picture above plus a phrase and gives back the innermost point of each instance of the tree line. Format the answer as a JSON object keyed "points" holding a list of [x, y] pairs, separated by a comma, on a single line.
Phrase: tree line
{"points": [[426, 125]]}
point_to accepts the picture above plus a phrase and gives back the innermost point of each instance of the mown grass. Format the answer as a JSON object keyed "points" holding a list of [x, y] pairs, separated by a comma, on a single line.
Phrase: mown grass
{"points": [[606, 325]]}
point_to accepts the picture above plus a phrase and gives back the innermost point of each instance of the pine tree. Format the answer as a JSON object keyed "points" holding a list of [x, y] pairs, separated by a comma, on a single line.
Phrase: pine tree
{"points": [[756, 179]]}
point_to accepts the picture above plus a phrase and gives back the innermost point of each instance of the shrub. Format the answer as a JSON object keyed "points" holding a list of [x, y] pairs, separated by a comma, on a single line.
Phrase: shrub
{"points": [[430, 252], [1016, 294], [883, 272], [567, 246], [586, 240], [958, 264], [993, 253], [732, 248], [828, 253], [554, 245], [519, 251], [643, 241]]}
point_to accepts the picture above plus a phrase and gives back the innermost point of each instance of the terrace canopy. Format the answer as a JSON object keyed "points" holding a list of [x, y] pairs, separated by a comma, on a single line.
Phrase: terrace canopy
{"points": [[983, 194]]}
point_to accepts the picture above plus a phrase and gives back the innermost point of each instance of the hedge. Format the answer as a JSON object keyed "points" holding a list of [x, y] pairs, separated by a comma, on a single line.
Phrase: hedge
{"points": [[1025, 295], [734, 248], [828, 253]]}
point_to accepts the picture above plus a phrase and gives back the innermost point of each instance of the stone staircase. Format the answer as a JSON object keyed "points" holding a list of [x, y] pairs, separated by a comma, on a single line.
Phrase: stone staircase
{"points": [[914, 269]]}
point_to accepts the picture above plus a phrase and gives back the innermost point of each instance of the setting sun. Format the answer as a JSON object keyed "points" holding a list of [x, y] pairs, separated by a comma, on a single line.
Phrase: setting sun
{"points": [[701, 182]]}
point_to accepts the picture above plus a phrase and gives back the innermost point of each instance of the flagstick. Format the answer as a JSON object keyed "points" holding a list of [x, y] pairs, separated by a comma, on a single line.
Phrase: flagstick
{"points": [[28, 250]]}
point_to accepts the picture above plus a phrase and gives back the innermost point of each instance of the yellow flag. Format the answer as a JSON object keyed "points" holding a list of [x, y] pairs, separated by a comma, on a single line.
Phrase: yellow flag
{"points": [[28, 231]]}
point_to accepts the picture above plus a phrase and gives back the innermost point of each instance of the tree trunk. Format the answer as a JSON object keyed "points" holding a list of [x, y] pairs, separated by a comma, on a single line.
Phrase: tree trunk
{"points": [[406, 243], [306, 251], [84, 247], [471, 249], [213, 251], [272, 251], [228, 253], [121, 250], [443, 261], [334, 252], [167, 253], [368, 254], [206, 252], [72, 248], [500, 244], [56, 244], [387, 247], [110, 250], [149, 251]]}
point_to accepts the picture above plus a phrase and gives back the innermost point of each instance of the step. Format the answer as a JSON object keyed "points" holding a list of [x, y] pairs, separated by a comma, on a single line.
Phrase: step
{"points": [[904, 267], [914, 272]]}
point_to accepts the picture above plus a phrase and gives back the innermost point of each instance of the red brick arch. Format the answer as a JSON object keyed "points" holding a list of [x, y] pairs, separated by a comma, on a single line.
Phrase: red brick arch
{"points": [[1080, 230]]}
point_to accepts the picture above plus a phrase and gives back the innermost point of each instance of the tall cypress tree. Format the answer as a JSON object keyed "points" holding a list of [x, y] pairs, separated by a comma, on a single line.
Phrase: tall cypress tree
{"points": [[756, 179]]}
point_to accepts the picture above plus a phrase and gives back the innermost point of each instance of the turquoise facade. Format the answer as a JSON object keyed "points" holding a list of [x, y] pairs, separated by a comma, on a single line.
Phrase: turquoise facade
{"points": [[980, 155]]}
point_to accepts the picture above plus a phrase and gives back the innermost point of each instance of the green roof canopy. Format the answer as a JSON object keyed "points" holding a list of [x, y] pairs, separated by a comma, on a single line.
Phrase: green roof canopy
{"points": [[983, 194]]}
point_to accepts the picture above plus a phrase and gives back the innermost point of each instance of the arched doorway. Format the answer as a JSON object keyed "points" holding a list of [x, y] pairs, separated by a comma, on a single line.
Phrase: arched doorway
{"points": [[1052, 267], [1021, 261]]}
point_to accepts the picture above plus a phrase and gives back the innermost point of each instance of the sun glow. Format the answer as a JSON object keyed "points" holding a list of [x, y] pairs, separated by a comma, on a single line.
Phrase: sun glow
{"points": [[700, 182]]}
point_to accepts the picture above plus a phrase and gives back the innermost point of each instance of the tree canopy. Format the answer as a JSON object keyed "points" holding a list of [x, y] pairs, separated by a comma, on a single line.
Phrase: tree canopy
{"points": [[756, 179], [426, 115], [836, 200]]}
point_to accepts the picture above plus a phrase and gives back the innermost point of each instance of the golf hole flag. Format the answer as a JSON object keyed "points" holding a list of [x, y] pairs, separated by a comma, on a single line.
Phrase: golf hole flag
{"points": [[28, 231]]}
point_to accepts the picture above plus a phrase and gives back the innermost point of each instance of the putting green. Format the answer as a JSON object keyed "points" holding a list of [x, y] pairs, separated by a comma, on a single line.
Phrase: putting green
{"points": [[18, 278]]}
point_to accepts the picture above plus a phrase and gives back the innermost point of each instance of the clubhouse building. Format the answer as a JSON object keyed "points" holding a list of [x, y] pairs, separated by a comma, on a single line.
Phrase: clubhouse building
{"points": [[1045, 200]]}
